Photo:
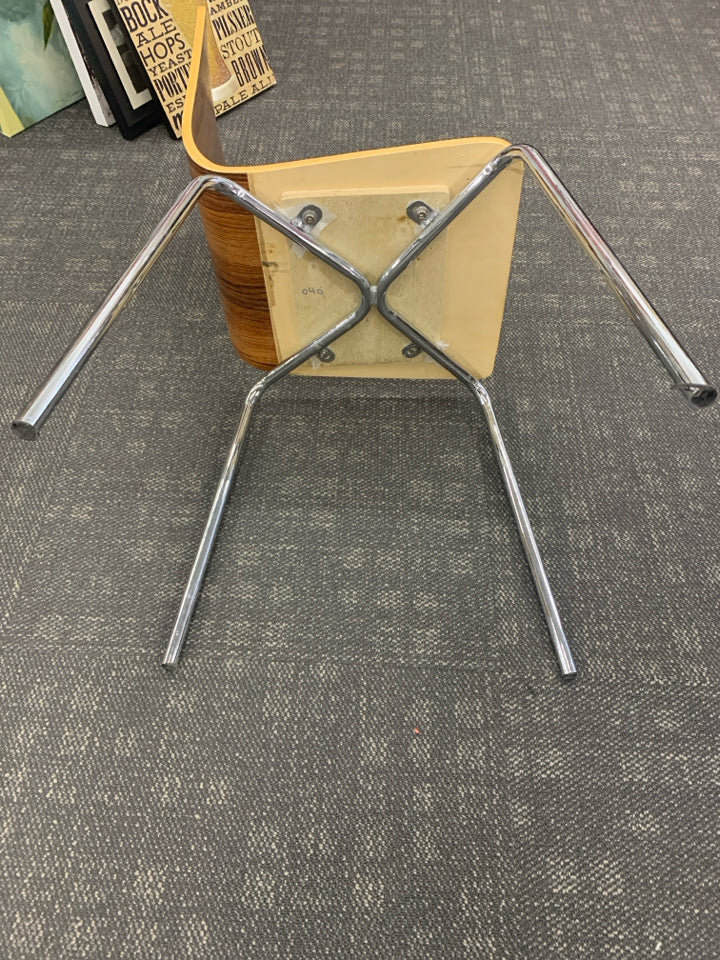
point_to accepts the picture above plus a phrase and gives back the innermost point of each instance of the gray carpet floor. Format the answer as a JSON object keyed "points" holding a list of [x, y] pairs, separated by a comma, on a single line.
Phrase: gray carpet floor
{"points": [[367, 751]]}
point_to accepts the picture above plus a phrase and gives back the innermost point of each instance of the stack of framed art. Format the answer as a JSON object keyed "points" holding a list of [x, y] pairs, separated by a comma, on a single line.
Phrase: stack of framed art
{"points": [[139, 51]]}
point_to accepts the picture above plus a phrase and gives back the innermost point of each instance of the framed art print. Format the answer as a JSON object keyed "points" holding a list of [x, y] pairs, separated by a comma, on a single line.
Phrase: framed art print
{"points": [[37, 77], [114, 60], [162, 32], [99, 107]]}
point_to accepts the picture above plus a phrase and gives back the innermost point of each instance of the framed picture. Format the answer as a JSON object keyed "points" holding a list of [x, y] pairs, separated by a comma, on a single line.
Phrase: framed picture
{"points": [[37, 77], [115, 62], [163, 37], [99, 107]]}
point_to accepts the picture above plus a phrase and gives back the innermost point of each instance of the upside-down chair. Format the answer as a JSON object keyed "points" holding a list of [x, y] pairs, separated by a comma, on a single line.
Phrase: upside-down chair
{"points": [[386, 263]]}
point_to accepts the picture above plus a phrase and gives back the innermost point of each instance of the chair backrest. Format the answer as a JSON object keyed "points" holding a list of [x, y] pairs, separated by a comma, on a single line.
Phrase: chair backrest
{"points": [[277, 297]]}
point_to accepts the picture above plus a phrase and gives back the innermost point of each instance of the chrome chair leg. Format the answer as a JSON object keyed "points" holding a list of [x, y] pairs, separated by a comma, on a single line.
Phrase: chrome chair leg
{"points": [[28, 422], [202, 558], [542, 585]]}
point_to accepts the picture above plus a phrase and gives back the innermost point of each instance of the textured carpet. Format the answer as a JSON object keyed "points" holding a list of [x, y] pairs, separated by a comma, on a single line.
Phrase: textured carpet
{"points": [[367, 751]]}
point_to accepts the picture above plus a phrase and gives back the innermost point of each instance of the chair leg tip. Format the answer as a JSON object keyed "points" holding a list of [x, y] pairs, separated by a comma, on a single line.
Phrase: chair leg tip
{"points": [[23, 430]]}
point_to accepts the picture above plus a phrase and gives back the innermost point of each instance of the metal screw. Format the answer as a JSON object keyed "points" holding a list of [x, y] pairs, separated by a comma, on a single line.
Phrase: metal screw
{"points": [[310, 216], [420, 212], [411, 350], [326, 355]]}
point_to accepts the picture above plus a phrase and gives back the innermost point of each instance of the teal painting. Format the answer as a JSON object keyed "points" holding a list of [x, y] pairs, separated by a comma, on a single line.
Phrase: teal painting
{"points": [[37, 77]]}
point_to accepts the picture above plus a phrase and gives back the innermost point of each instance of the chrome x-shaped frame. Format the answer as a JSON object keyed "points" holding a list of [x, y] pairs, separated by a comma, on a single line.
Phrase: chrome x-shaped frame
{"points": [[685, 374]]}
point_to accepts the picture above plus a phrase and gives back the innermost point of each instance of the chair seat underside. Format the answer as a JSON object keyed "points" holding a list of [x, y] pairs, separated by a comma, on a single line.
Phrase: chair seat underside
{"points": [[455, 292]]}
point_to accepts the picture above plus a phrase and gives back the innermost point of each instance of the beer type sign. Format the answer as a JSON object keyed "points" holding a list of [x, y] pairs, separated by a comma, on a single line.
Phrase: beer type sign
{"points": [[162, 32]]}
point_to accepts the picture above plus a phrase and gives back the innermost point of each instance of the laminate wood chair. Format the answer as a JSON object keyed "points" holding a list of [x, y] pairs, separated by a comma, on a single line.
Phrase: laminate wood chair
{"points": [[386, 263]]}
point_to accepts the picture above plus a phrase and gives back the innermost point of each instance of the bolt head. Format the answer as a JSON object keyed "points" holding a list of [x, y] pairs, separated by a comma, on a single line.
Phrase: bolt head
{"points": [[420, 212], [411, 350]]}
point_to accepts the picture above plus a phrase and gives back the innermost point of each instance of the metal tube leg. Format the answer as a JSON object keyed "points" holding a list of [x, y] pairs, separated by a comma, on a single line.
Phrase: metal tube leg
{"points": [[28, 423], [197, 574], [192, 590], [542, 585]]}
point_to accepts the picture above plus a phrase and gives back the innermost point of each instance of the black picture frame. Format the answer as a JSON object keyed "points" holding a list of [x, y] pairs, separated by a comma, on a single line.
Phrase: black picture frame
{"points": [[132, 117]]}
